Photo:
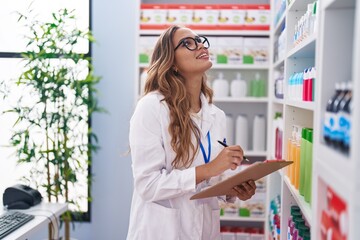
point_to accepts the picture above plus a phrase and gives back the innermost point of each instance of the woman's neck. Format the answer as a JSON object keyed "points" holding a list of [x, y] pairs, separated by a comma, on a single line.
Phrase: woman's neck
{"points": [[193, 86]]}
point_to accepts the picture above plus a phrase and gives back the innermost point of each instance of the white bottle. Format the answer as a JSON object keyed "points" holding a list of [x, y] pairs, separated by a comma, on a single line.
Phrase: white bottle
{"points": [[238, 87], [229, 130], [259, 133], [221, 86], [242, 132]]}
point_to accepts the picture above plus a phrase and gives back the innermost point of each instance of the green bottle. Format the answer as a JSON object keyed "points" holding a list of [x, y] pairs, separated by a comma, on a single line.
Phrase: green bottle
{"points": [[302, 160], [308, 164]]}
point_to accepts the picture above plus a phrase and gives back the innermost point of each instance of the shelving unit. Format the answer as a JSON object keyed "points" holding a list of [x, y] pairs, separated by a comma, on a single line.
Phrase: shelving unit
{"points": [[294, 112], [335, 52], [340, 27]]}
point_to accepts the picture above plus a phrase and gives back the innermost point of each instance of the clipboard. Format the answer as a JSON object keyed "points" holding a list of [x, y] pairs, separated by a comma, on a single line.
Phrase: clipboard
{"points": [[254, 172]]}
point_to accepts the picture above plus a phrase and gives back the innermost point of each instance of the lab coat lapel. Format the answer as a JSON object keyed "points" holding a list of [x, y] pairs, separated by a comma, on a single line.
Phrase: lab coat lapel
{"points": [[208, 116]]}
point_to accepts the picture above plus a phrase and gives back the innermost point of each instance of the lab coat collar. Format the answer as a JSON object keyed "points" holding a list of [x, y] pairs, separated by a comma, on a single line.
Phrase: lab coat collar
{"points": [[208, 115]]}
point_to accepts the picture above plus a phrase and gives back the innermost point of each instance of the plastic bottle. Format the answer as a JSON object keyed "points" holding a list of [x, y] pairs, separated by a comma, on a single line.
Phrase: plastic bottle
{"points": [[297, 158], [238, 87], [329, 114], [242, 132], [302, 161], [308, 164], [345, 120], [259, 133], [279, 84], [221, 86], [257, 86], [335, 132], [229, 129]]}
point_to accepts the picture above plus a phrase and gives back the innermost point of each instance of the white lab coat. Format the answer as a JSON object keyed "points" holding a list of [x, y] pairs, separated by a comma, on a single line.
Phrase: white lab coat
{"points": [[161, 206]]}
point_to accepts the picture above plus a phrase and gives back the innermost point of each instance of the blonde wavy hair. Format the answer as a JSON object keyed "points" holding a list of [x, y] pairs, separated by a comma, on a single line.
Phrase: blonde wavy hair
{"points": [[162, 77]]}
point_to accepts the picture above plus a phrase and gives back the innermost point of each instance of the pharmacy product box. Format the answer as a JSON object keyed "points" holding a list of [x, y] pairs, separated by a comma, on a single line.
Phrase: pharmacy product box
{"points": [[254, 207], [256, 51], [231, 17], [204, 17], [213, 48], [229, 50], [153, 16], [257, 17], [179, 14], [146, 48]]}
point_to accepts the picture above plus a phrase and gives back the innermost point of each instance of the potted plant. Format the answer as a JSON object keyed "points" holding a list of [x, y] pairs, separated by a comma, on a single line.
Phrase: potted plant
{"points": [[52, 133]]}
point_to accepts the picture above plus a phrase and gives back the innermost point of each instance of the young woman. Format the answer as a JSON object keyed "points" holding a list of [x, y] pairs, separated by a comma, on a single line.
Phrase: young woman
{"points": [[173, 142]]}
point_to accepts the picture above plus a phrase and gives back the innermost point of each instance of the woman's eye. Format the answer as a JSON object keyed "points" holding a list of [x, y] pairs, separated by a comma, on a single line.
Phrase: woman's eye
{"points": [[186, 43]]}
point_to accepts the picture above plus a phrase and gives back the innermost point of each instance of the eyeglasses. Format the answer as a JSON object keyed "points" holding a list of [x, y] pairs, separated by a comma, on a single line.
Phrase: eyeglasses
{"points": [[192, 43]]}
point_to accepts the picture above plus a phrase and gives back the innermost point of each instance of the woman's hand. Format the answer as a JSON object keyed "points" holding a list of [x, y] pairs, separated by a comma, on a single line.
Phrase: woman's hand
{"points": [[229, 158], [244, 191]]}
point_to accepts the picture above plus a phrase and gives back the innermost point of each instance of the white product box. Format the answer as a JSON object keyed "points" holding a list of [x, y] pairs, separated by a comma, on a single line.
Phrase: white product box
{"points": [[179, 14], [257, 17], [153, 15], [205, 16], [230, 50], [231, 16], [256, 51], [146, 48]]}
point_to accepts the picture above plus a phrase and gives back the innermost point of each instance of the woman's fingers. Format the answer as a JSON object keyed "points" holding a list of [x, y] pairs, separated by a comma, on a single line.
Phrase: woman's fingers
{"points": [[245, 190]]}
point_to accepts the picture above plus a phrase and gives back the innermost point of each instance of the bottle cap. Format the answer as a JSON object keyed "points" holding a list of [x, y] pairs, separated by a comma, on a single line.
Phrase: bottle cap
{"points": [[294, 208], [304, 133]]}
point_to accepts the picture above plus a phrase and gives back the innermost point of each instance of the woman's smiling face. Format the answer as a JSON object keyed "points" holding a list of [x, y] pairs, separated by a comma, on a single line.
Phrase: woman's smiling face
{"points": [[187, 61]]}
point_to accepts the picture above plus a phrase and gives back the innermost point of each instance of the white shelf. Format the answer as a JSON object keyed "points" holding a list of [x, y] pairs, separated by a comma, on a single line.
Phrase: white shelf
{"points": [[242, 100], [279, 62], [305, 49], [228, 66], [242, 219], [240, 66], [333, 177], [301, 104], [304, 206], [279, 23], [216, 32], [278, 101], [338, 4], [296, 5]]}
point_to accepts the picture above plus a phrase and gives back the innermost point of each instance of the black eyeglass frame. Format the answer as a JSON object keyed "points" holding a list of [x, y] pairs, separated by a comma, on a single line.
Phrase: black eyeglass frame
{"points": [[197, 39]]}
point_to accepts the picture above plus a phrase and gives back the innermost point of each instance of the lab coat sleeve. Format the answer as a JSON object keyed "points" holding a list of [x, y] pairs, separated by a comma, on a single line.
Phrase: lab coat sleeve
{"points": [[151, 179]]}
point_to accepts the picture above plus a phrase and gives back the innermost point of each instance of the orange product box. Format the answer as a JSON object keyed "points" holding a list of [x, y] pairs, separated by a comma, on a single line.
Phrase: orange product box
{"points": [[231, 17], [257, 17], [153, 16]]}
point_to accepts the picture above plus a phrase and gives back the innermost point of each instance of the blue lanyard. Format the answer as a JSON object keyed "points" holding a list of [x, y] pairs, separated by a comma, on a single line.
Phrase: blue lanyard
{"points": [[206, 158]]}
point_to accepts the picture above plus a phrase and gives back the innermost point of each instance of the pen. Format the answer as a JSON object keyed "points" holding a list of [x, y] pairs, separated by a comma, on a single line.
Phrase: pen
{"points": [[225, 145]]}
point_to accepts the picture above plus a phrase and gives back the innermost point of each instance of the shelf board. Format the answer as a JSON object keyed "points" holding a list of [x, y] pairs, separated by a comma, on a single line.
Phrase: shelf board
{"points": [[244, 99], [279, 62], [278, 101], [333, 177], [279, 23], [305, 49], [343, 166], [304, 206], [338, 4], [241, 66], [301, 104], [297, 5], [215, 32], [242, 219], [228, 66]]}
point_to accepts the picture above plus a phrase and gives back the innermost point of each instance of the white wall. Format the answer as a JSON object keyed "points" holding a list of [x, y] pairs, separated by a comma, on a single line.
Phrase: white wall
{"points": [[114, 25]]}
